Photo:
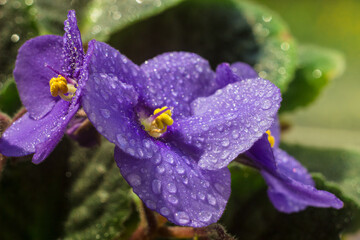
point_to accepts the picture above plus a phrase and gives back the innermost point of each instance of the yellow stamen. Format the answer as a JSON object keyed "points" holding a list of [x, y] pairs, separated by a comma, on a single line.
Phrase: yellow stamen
{"points": [[60, 87], [271, 138], [158, 126]]}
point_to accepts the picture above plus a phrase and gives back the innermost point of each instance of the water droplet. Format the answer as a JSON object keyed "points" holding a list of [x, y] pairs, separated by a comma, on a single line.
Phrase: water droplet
{"points": [[14, 38], [235, 134], [205, 216], [105, 113], [169, 159], [122, 141], [182, 218], [225, 142], [266, 104], [285, 46], [134, 180], [180, 169], [150, 204], [267, 18], [160, 169], [172, 199], [171, 187], [211, 199], [201, 195], [164, 211], [156, 186], [317, 73]]}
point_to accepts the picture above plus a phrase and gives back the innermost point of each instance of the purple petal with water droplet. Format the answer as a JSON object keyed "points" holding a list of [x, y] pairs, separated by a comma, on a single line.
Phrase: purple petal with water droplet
{"points": [[173, 185]]}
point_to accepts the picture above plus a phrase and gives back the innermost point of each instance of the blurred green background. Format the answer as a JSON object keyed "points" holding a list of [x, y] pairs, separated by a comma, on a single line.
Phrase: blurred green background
{"points": [[333, 120]]}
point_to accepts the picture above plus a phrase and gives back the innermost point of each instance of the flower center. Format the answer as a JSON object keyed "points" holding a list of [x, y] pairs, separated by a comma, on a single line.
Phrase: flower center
{"points": [[271, 138], [156, 124], [60, 87]]}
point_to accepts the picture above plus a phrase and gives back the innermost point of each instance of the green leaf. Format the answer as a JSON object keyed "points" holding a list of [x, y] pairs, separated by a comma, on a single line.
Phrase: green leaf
{"points": [[17, 25], [32, 197], [316, 68], [104, 17], [9, 98], [218, 30], [340, 167], [250, 215], [100, 201]]}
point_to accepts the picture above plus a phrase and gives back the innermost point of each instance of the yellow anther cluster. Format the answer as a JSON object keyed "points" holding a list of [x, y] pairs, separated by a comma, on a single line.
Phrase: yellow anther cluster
{"points": [[164, 119], [271, 139], [158, 126], [57, 85]]}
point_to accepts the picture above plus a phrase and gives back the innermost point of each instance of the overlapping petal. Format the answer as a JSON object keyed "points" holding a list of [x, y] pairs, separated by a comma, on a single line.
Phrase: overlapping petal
{"points": [[173, 185], [226, 73], [291, 188], [32, 77], [228, 122], [243, 70], [176, 79], [26, 135], [110, 103], [72, 49], [289, 195]]}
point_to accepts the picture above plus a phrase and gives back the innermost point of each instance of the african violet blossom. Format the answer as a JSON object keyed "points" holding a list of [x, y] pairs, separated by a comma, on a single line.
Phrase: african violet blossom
{"points": [[177, 125], [291, 188], [50, 72]]}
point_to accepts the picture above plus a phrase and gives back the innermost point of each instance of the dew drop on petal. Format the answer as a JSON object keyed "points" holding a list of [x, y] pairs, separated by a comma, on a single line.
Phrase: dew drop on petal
{"points": [[266, 104], [171, 187], [164, 211], [156, 186], [150, 204], [182, 217], [205, 216], [134, 180], [105, 113], [172, 199], [211, 199]]}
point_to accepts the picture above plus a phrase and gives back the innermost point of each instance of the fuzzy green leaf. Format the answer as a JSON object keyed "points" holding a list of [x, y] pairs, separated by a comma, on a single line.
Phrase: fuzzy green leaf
{"points": [[317, 66]]}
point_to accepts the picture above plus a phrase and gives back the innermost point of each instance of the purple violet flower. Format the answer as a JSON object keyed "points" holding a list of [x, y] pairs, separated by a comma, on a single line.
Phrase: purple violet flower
{"points": [[61, 61], [177, 125], [291, 188]]}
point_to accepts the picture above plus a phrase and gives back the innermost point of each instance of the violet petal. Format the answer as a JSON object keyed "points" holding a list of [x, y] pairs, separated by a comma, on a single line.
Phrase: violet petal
{"points": [[32, 77], [26, 135], [72, 48], [176, 79], [173, 185], [228, 122]]}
